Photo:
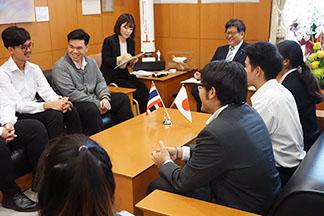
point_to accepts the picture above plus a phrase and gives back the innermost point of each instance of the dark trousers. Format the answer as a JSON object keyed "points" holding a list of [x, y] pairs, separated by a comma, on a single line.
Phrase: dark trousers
{"points": [[195, 94], [90, 114], [32, 137], [202, 193], [285, 174], [90, 117], [52, 120], [141, 94]]}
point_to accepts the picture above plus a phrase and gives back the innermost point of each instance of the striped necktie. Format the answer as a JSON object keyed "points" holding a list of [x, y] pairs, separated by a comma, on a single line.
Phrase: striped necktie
{"points": [[230, 54]]}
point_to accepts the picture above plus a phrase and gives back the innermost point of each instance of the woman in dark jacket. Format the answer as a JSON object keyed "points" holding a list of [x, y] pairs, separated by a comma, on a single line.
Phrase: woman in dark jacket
{"points": [[298, 78], [116, 49]]}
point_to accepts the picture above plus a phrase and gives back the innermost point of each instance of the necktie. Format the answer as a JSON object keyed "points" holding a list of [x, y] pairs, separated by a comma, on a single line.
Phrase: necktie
{"points": [[230, 54]]}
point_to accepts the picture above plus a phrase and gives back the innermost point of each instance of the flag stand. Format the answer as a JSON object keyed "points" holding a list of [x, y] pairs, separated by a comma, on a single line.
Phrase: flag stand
{"points": [[167, 119]]}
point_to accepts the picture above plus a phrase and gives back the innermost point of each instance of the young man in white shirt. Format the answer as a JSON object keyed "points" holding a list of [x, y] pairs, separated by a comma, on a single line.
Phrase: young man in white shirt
{"points": [[29, 134], [21, 81], [276, 105]]}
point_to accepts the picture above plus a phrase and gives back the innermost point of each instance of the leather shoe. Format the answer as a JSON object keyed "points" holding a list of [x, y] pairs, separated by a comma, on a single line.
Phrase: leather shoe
{"points": [[19, 202]]}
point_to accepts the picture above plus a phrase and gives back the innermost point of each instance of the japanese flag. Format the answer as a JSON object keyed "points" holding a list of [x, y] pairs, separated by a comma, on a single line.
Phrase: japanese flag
{"points": [[182, 103]]}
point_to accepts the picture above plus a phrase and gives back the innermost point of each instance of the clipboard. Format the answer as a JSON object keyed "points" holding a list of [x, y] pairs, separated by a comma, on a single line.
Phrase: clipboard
{"points": [[129, 60]]}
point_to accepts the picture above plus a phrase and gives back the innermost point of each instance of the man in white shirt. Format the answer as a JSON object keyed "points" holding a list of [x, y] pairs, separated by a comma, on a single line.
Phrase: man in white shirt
{"points": [[28, 134], [276, 105], [232, 162], [232, 51], [21, 81]]}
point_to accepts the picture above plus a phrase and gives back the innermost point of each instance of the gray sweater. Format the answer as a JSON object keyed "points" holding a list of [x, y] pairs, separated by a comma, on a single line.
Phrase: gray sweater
{"points": [[77, 84]]}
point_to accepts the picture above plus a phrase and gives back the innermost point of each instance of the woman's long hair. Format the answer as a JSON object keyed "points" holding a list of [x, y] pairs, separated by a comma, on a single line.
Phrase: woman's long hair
{"points": [[76, 180], [292, 51]]}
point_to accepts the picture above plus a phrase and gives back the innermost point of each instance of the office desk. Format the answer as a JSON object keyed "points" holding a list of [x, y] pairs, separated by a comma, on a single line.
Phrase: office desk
{"points": [[168, 85], [130, 144]]}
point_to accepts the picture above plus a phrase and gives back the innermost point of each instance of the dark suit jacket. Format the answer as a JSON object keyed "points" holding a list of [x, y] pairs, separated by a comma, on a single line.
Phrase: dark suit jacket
{"points": [[221, 53], [233, 155], [110, 51], [306, 107]]}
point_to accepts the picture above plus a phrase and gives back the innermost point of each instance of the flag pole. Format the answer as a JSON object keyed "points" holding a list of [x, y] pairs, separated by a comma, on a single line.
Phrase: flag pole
{"points": [[167, 120]]}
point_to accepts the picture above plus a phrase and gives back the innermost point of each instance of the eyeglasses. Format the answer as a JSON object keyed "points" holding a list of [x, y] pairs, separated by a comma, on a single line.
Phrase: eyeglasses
{"points": [[231, 33], [24, 47]]}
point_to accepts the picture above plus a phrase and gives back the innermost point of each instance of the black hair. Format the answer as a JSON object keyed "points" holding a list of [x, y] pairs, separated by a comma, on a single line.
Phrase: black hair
{"points": [[228, 79], [14, 36], [125, 18], [76, 178], [292, 51], [266, 56], [79, 34], [239, 24]]}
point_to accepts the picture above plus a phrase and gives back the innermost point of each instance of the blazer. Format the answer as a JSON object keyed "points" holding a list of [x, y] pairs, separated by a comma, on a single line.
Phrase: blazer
{"points": [[233, 156], [109, 53], [306, 107], [221, 53]]}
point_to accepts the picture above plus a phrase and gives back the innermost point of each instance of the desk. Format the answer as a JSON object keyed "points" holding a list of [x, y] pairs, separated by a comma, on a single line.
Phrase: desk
{"points": [[130, 143], [168, 85], [165, 203]]}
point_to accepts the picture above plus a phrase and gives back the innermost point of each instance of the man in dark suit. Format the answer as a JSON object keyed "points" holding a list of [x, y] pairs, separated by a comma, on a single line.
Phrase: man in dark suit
{"points": [[233, 51], [232, 162]]}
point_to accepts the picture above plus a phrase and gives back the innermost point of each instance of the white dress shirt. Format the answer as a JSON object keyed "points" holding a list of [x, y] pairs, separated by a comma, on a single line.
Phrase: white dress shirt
{"points": [[278, 109], [7, 111], [231, 53], [21, 86]]}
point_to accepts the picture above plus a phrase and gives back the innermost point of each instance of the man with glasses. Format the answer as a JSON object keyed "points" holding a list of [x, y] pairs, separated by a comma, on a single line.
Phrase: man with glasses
{"points": [[233, 51], [232, 162], [21, 80], [78, 77]]}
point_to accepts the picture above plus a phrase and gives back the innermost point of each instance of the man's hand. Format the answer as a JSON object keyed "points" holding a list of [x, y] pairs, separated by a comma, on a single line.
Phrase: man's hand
{"points": [[8, 133], [67, 104], [61, 104], [159, 156], [175, 152], [104, 106]]}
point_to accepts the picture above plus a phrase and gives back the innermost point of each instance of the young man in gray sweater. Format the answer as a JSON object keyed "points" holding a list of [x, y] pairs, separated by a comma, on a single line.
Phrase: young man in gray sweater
{"points": [[78, 77]]}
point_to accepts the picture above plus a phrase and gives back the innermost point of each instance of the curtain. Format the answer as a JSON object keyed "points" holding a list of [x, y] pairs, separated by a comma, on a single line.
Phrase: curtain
{"points": [[277, 30]]}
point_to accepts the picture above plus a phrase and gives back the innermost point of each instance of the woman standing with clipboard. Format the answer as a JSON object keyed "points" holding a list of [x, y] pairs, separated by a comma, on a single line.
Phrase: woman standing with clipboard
{"points": [[117, 49]]}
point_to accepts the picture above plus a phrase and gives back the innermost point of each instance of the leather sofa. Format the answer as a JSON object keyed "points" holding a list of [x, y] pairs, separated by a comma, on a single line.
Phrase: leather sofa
{"points": [[303, 195]]}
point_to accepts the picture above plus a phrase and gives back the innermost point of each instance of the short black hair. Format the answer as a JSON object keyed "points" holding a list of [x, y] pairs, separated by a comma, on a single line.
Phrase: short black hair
{"points": [[14, 36], [125, 18], [228, 79], [266, 56], [239, 24], [79, 34]]}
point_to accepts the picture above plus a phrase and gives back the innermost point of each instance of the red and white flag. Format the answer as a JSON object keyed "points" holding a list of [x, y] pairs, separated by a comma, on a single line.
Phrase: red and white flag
{"points": [[182, 103]]}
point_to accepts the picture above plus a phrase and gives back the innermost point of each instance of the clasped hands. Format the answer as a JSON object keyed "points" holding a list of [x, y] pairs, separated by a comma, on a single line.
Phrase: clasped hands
{"points": [[61, 104], [159, 156]]}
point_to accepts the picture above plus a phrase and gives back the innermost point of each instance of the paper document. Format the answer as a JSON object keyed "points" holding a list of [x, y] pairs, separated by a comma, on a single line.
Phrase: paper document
{"points": [[191, 80], [128, 60], [141, 73]]}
